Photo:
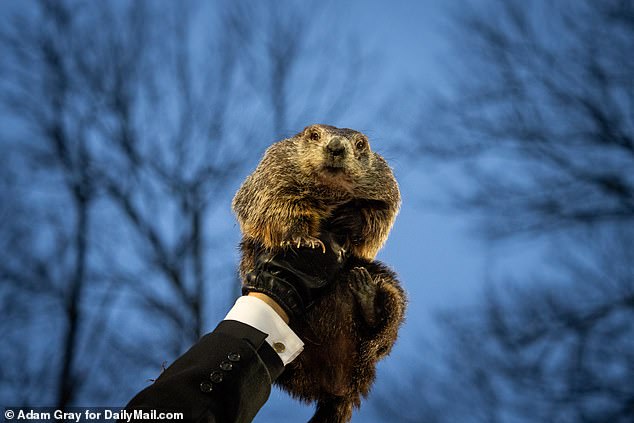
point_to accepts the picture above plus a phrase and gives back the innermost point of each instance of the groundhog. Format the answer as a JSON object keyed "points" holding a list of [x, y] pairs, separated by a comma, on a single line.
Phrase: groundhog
{"points": [[326, 185]]}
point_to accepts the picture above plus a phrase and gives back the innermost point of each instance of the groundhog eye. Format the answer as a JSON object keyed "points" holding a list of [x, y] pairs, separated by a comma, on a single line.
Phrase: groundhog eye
{"points": [[360, 144], [314, 136]]}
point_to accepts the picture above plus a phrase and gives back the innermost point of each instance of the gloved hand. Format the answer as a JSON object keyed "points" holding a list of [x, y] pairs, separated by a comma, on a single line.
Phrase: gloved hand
{"points": [[295, 277]]}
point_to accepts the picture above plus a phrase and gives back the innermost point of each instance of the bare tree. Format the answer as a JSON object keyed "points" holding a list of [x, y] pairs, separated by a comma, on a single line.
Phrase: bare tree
{"points": [[300, 65], [558, 347], [34, 264], [64, 150], [542, 119], [542, 122], [129, 126]]}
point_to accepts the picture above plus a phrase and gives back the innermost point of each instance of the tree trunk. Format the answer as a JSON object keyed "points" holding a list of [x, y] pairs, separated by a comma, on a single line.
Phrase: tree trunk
{"points": [[67, 385]]}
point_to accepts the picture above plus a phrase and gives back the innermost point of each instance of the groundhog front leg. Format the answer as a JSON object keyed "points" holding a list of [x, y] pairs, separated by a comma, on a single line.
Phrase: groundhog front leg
{"points": [[303, 229], [286, 223], [363, 289], [363, 224]]}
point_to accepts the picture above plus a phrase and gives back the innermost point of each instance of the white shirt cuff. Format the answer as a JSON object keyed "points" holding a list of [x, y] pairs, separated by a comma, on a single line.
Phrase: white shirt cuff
{"points": [[256, 313]]}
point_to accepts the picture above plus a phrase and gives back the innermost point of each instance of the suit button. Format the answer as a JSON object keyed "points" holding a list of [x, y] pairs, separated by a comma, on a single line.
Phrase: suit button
{"points": [[235, 357], [226, 365], [216, 376], [206, 387]]}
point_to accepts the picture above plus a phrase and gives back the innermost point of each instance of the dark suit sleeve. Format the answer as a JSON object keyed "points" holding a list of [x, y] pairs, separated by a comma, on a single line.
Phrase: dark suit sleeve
{"points": [[225, 377]]}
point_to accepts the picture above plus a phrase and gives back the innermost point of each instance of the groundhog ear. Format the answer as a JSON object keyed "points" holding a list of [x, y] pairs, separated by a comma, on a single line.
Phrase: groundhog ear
{"points": [[311, 132], [307, 130]]}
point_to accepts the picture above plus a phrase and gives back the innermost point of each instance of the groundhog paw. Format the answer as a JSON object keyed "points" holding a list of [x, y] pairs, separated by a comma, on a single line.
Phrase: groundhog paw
{"points": [[304, 241], [364, 288]]}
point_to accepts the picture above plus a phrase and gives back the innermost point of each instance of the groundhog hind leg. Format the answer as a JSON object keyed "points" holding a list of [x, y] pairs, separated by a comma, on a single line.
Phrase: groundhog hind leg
{"points": [[333, 410]]}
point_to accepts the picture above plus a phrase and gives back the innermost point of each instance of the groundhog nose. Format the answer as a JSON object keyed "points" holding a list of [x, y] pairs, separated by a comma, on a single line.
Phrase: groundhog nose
{"points": [[336, 147]]}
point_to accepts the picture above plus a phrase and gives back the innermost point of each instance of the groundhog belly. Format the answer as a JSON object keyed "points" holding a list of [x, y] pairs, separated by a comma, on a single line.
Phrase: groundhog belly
{"points": [[326, 366]]}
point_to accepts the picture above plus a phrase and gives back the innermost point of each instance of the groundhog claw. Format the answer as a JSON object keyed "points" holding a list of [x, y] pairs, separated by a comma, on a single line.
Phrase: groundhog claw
{"points": [[304, 241]]}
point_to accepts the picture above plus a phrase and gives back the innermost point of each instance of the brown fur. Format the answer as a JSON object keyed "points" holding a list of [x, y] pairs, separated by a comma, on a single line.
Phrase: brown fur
{"points": [[298, 191]]}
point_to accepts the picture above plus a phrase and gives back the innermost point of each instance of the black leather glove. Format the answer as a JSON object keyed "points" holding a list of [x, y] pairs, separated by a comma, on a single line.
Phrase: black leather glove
{"points": [[295, 277]]}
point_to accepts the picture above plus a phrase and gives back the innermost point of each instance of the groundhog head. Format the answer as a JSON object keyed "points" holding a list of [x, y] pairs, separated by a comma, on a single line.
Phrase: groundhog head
{"points": [[335, 156]]}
